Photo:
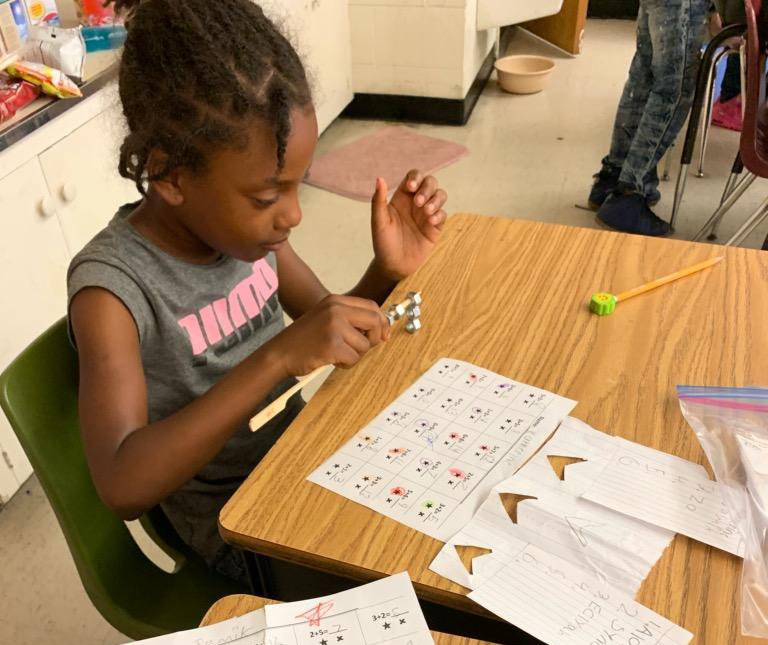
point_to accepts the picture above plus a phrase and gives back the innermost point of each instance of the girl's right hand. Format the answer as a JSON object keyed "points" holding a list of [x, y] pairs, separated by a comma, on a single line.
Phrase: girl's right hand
{"points": [[339, 330]]}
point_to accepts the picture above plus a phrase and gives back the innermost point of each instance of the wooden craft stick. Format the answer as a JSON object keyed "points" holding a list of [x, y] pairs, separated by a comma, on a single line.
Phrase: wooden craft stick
{"points": [[278, 405]]}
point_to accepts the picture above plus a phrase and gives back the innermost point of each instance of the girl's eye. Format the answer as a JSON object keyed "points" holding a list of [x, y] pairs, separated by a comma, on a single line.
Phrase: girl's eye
{"points": [[264, 203]]}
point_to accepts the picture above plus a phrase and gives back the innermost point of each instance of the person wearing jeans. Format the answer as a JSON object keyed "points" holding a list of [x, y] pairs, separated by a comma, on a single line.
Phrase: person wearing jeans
{"points": [[653, 107]]}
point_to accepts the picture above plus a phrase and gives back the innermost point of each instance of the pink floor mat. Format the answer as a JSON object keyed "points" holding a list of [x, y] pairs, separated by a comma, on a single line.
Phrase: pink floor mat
{"points": [[389, 153]]}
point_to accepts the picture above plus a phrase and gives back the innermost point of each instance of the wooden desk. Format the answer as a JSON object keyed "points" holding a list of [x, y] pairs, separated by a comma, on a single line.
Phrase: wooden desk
{"points": [[512, 296], [237, 605]]}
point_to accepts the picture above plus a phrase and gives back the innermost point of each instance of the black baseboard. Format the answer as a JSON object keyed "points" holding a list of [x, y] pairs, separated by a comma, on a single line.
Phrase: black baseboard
{"points": [[421, 109], [613, 9]]}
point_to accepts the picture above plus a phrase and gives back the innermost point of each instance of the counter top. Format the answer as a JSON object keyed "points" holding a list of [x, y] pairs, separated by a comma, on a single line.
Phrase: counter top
{"points": [[101, 69]]}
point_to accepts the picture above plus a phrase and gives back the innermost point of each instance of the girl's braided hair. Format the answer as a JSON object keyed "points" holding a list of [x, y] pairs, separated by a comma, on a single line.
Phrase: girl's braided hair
{"points": [[193, 73]]}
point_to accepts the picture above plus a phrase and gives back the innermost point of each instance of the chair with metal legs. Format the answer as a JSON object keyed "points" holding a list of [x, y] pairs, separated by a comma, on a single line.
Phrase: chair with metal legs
{"points": [[702, 95], [753, 145]]}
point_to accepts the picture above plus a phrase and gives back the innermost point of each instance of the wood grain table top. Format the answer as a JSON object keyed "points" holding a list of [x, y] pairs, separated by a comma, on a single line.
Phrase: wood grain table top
{"points": [[511, 296]]}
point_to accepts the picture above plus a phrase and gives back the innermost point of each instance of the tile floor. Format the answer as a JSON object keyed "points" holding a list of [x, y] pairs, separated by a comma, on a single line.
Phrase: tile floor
{"points": [[531, 157]]}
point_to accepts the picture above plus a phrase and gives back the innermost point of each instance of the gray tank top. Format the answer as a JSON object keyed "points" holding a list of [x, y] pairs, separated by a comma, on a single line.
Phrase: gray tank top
{"points": [[195, 323]]}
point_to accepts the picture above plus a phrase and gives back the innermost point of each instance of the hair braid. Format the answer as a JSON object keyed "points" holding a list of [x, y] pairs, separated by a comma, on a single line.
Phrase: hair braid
{"points": [[193, 72]]}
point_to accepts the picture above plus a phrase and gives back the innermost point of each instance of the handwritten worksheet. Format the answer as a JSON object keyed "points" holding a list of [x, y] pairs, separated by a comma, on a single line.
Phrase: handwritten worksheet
{"points": [[662, 489], [385, 612], [562, 604], [548, 512], [431, 457]]}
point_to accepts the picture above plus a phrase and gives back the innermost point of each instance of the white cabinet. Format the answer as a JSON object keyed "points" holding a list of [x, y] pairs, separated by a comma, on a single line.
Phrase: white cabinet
{"points": [[49, 208], [81, 173], [33, 264], [320, 33], [498, 13]]}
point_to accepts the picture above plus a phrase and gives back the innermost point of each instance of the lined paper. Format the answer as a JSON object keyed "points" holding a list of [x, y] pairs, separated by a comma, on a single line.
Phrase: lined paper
{"points": [[433, 455], [619, 548], [646, 484], [384, 612], [561, 604]]}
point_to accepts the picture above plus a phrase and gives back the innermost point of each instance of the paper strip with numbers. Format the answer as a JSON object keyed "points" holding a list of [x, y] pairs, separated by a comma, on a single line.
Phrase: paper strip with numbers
{"points": [[662, 489], [385, 612], [433, 455], [562, 604], [548, 512]]}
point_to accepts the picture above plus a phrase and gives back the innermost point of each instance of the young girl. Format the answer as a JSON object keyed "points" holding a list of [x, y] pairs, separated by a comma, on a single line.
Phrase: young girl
{"points": [[176, 307]]}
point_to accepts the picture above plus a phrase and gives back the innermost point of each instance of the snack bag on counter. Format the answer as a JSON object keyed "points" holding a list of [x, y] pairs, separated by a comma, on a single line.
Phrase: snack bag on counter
{"points": [[93, 13], [59, 48], [14, 95], [51, 81]]}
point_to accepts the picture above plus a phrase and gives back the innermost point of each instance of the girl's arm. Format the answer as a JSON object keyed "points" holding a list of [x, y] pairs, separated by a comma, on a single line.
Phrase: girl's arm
{"points": [[404, 231], [300, 289], [136, 464]]}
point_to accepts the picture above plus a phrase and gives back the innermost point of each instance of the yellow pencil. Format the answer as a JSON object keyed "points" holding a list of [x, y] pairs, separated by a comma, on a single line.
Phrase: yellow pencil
{"points": [[605, 303]]}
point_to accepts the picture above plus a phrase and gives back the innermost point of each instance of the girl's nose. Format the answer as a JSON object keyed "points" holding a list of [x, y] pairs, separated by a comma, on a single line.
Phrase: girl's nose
{"points": [[289, 216]]}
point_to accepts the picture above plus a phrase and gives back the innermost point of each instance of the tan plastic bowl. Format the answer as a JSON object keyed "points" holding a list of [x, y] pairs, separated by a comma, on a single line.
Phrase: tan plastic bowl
{"points": [[524, 74]]}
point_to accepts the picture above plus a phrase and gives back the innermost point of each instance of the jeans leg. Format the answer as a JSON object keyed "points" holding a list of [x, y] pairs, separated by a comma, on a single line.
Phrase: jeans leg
{"points": [[634, 96], [677, 33]]}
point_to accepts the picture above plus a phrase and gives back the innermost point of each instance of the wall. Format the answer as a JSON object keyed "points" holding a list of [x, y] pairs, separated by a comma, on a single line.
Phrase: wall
{"points": [[416, 47], [319, 29]]}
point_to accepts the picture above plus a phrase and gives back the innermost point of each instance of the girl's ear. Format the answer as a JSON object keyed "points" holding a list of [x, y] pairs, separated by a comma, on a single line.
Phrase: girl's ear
{"points": [[168, 187]]}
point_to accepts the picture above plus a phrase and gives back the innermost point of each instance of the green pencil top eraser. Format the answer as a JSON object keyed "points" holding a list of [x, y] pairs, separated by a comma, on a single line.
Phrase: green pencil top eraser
{"points": [[602, 304]]}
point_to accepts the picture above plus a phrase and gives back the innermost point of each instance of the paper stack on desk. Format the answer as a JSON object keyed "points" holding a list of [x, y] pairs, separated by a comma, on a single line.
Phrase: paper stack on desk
{"points": [[432, 456], [385, 612], [597, 534]]}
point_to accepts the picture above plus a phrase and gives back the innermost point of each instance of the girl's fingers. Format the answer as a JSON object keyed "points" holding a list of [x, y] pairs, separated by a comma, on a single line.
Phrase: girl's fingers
{"points": [[426, 191], [346, 357], [438, 219], [436, 202], [412, 181], [357, 341]]}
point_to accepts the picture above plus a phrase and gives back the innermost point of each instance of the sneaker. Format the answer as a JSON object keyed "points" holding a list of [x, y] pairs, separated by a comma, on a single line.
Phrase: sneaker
{"points": [[727, 114], [605, 184], [630, 213]]}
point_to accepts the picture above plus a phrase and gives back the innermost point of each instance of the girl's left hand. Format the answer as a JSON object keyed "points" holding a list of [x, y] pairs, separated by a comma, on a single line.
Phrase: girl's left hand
{"points": [[406, 229]]}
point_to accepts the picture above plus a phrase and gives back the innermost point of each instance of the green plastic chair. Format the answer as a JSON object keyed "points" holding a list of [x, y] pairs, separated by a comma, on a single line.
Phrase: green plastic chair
{"points": [[38, 393]]}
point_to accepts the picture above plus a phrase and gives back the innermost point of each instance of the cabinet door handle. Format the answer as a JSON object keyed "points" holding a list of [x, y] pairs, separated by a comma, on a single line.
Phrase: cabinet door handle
{"points": [[48, 207], [69, 192]]}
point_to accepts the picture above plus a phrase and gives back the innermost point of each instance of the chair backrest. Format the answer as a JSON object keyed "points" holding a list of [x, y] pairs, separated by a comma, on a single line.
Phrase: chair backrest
{"points": [[753, 146], [38, 393]]}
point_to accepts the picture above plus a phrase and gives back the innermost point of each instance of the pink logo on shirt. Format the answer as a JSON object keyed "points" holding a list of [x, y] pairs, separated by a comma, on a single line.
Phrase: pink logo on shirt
{"points": [[219, 319]]}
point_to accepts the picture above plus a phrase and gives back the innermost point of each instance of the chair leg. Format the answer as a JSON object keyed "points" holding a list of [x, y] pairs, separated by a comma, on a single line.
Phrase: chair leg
{"points": [[682, 177], [736, 193], [708, 101], [702, 78], [733, 181], [750, 225], [667, 163]]}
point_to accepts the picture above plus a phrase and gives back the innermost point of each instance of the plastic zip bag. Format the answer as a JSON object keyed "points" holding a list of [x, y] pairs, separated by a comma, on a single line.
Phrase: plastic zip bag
{"points": [[731, 423]]}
